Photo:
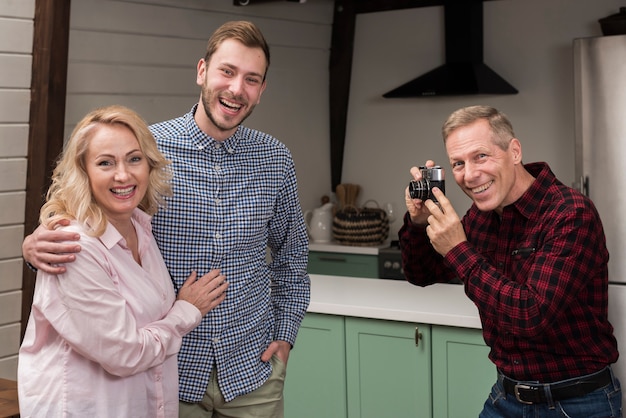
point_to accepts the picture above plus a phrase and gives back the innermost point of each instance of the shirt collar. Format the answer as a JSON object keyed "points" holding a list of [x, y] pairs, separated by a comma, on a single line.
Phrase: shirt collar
{"points": [[544, 178], [111, 235]]}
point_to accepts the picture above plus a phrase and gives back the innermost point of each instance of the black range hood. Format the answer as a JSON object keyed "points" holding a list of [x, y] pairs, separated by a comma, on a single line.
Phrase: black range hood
{"points": [[464, 72]]}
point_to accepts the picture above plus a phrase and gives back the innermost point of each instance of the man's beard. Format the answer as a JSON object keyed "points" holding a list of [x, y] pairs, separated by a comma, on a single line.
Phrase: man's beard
{"points": [[225, 126]]}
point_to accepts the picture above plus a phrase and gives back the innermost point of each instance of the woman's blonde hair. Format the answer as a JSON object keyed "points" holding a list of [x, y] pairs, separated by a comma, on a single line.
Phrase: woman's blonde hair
{"points": [[70, 197]]}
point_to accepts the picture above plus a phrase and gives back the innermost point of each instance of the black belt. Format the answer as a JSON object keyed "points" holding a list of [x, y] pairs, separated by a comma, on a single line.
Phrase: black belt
{"points": [[532, 393]]}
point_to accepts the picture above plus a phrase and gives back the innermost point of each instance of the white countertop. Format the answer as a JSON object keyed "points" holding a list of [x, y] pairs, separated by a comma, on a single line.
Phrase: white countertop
{"points": [[396, 300], [335, 247]]}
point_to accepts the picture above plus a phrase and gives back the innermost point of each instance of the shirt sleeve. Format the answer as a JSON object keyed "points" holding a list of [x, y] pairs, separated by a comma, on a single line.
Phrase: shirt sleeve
{"points": [[289, 245], [87, 310], [421, 264]]}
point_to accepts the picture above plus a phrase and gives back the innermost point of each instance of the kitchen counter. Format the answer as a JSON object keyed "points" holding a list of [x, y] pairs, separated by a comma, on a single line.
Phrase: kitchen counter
{"points": [[334, 247], [396, 300]]}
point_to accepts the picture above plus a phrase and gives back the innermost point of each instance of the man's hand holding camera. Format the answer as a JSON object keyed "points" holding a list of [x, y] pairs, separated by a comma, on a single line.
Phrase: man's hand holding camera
{"points": [[418, 212], [443, 225], [444, 229]]}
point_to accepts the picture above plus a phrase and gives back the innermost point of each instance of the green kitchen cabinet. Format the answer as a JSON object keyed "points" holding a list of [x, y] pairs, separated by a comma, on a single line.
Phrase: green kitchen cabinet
{"points": [[343, 264], [462, 373], [388, 367], [315, 385], [348, 367]]}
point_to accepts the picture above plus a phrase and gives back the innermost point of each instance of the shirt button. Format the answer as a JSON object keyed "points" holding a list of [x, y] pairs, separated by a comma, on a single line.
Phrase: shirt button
{"points": [[218, 236], [215, 340], [218, 200], [217, 167], [218, 145]]}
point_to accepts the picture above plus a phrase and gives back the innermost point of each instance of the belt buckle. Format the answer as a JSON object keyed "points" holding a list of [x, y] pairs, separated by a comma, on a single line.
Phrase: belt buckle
{"points": [[516, 389]]}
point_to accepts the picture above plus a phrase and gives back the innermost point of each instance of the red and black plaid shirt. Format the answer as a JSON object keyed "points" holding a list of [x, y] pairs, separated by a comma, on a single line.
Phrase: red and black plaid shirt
{"points": [[538, 275]]}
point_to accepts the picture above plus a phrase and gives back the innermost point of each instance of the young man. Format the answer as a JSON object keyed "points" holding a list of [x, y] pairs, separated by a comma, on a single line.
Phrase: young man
{"points": [[235, 194], [532, 255]]}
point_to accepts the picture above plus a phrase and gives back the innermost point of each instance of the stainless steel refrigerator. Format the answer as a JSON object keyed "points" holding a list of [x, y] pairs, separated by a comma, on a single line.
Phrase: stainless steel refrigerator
{"points": [[600, 102]]}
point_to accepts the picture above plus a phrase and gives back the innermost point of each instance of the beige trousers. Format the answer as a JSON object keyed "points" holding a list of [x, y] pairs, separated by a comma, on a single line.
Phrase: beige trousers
{"points": [[264, 402]]}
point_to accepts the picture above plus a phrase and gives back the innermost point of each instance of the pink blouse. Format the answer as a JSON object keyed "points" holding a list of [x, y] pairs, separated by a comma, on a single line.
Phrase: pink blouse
{"points": [[102, 338]]}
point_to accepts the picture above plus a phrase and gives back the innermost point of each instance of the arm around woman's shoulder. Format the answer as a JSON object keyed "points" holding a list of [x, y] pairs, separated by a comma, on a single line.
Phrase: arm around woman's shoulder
{"points": [[49, 250]]}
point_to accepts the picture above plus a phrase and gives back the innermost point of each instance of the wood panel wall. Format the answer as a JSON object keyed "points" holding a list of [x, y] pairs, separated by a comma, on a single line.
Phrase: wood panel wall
{"points": [[16, 39]]}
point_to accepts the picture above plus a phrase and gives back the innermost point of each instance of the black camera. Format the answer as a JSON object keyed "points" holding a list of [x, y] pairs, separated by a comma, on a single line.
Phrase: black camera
{"points": [[431, 177]]}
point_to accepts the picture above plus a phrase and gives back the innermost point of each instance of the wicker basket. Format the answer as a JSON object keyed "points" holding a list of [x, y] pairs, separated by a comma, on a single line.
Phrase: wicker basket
{"points": [[363, 226]]}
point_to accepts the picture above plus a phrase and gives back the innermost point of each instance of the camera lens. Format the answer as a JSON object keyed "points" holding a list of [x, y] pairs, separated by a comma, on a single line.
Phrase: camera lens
{"points": [[419, 189]]}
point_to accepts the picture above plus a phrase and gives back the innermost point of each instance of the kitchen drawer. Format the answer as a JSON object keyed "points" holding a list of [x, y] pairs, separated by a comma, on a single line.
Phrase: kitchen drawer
{"points": [[343, 264]]}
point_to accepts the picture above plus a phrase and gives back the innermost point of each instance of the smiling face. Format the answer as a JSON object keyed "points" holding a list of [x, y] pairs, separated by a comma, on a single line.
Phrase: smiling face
{"points": [[492, 177], [232, 82], [118, 171]]}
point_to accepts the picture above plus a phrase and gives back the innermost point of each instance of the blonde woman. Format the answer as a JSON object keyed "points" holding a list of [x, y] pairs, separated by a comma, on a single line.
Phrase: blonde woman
{"points": [[102, 337]]}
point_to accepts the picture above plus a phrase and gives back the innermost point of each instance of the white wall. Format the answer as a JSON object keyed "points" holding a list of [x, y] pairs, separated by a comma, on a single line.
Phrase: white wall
{"points": [[16, 40], [527, 42]]}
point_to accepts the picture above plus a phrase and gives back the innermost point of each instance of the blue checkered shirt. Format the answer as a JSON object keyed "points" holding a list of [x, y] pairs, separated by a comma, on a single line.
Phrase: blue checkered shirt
{"points": [[232, 200]]}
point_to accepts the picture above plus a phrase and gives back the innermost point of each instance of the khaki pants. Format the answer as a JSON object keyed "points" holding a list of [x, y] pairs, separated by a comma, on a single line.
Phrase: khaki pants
{"points": [[265, 402]]}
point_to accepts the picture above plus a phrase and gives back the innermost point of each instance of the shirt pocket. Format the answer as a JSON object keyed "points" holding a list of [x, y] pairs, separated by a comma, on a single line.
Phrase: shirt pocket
{"points": [[522, 259]]}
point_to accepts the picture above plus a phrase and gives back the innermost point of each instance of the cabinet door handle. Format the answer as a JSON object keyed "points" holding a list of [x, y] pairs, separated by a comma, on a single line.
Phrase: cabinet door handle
{"points": [[418, 336]]}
